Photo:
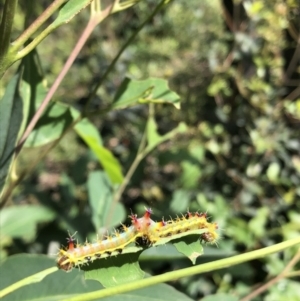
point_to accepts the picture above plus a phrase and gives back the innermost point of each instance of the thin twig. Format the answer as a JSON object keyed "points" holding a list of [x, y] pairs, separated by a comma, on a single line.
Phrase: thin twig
{"points": [[23, 38], [270, 283], [93, 22]]}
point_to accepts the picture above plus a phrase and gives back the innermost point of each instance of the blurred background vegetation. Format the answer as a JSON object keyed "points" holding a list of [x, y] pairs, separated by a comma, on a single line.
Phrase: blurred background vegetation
{"points": [[235, 65]]}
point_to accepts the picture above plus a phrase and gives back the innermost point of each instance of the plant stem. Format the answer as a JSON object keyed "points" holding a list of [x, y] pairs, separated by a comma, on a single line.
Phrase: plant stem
{"points": [[93, 22], [171, 276], [23, 38], [6, 25], [86, 33]]}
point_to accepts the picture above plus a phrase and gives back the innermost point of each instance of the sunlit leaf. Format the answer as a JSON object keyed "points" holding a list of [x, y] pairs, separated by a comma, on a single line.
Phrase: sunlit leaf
{"points": [[90, 135], [70, 10], [151, 90]]}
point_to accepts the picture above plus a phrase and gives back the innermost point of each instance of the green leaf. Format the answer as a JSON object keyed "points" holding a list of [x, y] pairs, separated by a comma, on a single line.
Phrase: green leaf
{"points": [[151, 90], [21, 221], [11, 109], [87, 131], [51, 125], [190, 247], [57, 286], [116, 270], [104, 211], [109, 163], [90, 135], [69, 11], [62, 286], [33, 88]]}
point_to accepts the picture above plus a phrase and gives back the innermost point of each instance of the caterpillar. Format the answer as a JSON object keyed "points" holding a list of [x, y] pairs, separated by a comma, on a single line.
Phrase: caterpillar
{"points": [[142, 231], [184, 224]]}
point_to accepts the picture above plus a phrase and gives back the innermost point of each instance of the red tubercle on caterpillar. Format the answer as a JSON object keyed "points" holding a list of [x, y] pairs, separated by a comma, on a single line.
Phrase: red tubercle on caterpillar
{"points": [[71, 242], [148, 212], [141, 224], [146, 217]]}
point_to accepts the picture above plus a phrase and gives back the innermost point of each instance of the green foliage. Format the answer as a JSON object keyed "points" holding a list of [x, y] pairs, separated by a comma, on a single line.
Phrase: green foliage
{"points": [[101, 201], [11, 119], [108, 142]]}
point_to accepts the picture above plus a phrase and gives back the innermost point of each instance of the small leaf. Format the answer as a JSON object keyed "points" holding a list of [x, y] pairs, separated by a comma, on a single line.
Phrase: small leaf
{"points": [[151, 90], [104, 211], [11, 108], [190, 247], [69, 11]]}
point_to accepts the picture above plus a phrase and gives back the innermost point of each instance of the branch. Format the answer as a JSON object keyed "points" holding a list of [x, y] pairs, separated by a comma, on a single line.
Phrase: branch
{"points": [[93, 22], [270, 283], [6, 25], [23, 38]]}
